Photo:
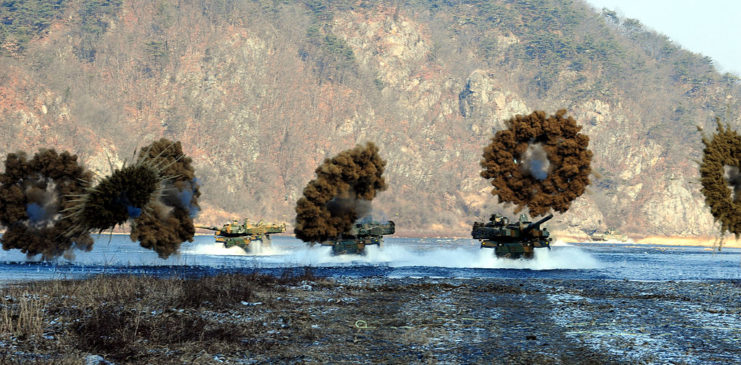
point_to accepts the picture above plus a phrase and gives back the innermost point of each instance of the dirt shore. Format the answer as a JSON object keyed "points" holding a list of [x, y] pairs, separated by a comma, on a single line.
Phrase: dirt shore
{"points": [[712, 242], [245, 319], [727, 242]]}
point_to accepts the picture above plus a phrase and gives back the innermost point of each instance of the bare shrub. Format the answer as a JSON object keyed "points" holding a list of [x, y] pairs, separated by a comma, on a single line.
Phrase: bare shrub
{"points": [[215, 291], [124, 334]]}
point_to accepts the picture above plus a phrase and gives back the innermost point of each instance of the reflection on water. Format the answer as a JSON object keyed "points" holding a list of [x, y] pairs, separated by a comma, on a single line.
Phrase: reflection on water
{"points": [[398, 257]]}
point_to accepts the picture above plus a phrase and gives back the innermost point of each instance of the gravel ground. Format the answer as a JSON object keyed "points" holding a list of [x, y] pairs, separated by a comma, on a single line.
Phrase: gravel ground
{"points": [[382, 320], [534, 321]]}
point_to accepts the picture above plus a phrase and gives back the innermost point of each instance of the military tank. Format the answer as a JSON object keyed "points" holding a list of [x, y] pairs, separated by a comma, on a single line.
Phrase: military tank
{"points": [[512, 240], [359, 236], [241, 235], [609, 235]]}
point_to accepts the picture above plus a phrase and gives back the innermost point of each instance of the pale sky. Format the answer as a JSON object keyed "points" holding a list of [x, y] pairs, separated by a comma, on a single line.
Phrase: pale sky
{"points": [[709, 27]]}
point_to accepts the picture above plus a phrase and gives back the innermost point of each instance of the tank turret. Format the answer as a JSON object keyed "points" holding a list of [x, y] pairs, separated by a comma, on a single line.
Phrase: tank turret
{"points": [[359, 236], [512, 240], [241, 235]]}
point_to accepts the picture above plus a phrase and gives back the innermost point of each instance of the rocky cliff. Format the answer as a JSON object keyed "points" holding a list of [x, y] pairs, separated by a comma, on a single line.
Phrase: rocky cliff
{"points": [[260, 92]]}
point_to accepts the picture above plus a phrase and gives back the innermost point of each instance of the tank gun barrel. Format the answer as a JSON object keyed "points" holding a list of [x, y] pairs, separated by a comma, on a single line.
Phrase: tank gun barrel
{"points": [[538, 223], [210, 228]]}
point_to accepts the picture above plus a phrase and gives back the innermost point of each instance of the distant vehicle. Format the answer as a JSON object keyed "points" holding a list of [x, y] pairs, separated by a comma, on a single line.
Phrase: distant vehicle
{"points": [[241, 235], [359, 236], [609, 235], [512, 240]]}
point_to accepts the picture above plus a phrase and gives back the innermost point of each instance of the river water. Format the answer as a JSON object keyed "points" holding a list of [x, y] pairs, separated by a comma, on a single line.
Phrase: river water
{"points": [[396, 258]]}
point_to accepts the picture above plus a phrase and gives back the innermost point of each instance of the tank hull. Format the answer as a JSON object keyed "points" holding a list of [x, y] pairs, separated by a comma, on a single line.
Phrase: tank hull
{"points": [[512, 240], [608, 237], [245, 243], [359, 236], [514, 250], [242, 235], [355, 246]]}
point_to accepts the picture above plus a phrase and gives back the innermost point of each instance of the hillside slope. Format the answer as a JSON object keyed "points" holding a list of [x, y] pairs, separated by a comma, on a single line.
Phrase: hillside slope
{"points": [[260, 92]]}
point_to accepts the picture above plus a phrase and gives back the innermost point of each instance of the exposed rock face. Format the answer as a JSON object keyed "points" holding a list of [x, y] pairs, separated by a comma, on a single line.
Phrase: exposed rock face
{"points": [[483, 99], [258, 103]]}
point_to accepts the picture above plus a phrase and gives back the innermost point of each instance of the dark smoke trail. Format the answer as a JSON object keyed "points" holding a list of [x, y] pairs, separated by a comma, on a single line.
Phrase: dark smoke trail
{"points": [[33, 193], [168, 222], [721, 184], [340, 194], [538, 162]]}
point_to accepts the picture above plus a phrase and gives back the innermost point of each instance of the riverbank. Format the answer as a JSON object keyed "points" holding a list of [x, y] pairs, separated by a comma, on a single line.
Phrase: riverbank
{"points": [[711, 242], [254, 318], [728, 241]]}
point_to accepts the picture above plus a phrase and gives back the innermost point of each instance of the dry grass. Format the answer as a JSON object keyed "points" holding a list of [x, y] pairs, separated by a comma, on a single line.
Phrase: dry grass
{"points": [[22, 315], [131, 318], [127, 333]]}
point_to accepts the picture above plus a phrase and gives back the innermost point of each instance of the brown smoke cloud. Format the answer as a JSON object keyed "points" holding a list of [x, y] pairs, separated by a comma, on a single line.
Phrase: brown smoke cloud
{"points": [[168, 221], [340, 194], [116, 198], [719, 175], [33, 193], [539, 162], [158, 194]]}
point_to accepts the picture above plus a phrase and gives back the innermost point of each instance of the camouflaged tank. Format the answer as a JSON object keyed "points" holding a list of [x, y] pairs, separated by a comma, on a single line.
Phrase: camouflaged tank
{"points": [[241, 235], [512, 240], [360, 236], [609, 235]]}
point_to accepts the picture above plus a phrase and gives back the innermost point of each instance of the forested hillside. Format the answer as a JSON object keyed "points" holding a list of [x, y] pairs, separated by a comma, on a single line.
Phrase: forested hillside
{"points": [[260, 92]]}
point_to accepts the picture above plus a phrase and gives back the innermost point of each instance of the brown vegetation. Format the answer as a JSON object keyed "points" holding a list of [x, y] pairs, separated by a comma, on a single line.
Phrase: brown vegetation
{"points": [[125, 318], [260, 92]]}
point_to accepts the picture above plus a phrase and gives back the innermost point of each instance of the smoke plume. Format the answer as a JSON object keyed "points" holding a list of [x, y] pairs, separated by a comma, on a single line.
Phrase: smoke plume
{"points": [[33, 193], [733, 176], [168, 221], [158, 194], [535, 162], [116, 198], [719, 175], [340, 194], [538, 162]]}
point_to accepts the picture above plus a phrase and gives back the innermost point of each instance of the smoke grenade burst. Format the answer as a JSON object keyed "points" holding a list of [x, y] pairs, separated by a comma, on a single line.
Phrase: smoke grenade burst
{"points": [[158, 193], [33, 193], [539, 162], [116, 198], [535, 162], [733, 176], [340, 194], [719, 175], [168, 221]]}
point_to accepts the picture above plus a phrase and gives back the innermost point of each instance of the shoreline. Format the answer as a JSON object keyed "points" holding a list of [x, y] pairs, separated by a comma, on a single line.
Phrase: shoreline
{"points": [[728, 242], [699, 241]]}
